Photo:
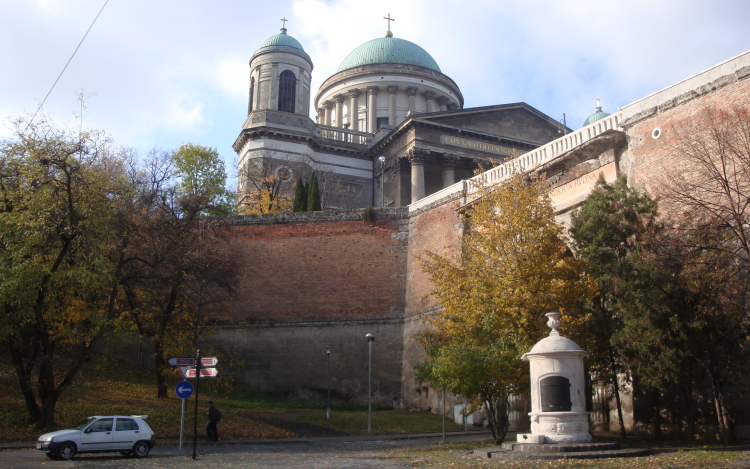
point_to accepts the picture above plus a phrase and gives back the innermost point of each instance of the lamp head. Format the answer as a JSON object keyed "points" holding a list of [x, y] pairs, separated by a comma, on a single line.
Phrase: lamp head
{"points": [[381, 158], [370, 337], [328, 349]]}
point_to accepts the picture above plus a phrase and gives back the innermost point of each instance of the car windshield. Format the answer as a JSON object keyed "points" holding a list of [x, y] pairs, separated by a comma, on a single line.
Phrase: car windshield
{"points": [[82, 424]]}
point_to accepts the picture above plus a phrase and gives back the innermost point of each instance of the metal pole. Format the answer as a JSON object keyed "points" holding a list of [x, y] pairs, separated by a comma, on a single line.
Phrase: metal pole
{"points": [[197, 387], [466, 417], [382, 185], [182, 425], [328, 356], [443, 415], [369, 391]]}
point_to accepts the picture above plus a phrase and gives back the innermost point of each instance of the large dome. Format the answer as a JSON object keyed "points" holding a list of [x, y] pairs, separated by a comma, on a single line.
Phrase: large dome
{"points": [[282, 42], [388, 50]]}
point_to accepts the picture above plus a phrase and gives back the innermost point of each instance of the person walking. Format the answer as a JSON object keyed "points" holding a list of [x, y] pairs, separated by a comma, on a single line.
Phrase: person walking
{"points": [[214, 415]]}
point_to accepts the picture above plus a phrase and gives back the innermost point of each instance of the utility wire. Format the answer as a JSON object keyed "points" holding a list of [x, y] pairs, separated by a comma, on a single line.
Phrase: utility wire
{"points": [[66, 66]]}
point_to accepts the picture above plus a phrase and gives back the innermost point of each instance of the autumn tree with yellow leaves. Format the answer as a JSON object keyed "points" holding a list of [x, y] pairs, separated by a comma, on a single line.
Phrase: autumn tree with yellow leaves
{"points": [[512, 266]]}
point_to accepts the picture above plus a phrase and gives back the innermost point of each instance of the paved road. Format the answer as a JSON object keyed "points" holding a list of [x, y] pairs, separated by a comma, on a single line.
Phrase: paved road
{"points": [[319, 453]]}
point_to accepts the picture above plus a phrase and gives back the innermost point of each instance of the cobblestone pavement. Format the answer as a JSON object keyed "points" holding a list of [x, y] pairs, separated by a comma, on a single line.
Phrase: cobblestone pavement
{"points": [[323, 453]]}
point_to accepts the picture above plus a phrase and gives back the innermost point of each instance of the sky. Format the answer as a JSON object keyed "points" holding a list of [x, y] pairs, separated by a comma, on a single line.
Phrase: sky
{"points": [[167, 72]]}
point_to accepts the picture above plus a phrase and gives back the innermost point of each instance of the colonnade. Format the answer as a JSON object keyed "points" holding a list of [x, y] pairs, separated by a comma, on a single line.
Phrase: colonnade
{"points": [[325, 113], [416, 158]]}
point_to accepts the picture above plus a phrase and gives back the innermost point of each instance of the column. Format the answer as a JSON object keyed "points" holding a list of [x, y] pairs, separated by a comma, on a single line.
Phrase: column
{"points": [[372, 109], [401, 178], [274, 94], [321, 116], [300, 94], [354, 109], [452, 106], [448, 163], [429, 96], [412, 93], [443, 102], [329, 106], [392, 90], [416, 157], [339, 110]]}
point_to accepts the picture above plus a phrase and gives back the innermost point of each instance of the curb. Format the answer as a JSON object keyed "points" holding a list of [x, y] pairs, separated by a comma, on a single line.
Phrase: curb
{"points": [[407, 436]]}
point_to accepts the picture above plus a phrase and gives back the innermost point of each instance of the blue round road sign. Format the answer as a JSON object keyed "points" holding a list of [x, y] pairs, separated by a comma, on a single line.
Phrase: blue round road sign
{"points": [[183, 389]]}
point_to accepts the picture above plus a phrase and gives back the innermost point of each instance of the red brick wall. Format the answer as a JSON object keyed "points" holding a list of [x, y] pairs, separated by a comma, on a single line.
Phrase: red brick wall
{"points": [[320, 269], [435, 230], [647, 159]]}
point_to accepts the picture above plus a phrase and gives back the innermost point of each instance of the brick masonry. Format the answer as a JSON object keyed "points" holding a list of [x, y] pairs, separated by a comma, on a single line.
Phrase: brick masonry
{"points": [[327, 278]]}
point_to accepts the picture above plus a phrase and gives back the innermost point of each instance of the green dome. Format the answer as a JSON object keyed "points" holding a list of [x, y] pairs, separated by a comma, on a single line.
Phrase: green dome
{"points": [[599, 114], [284, 43], [388, 50]]}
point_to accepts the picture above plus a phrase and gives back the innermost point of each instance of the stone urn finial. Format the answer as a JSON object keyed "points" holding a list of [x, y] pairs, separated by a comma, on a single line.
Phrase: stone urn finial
{"points": [[553, 322]]}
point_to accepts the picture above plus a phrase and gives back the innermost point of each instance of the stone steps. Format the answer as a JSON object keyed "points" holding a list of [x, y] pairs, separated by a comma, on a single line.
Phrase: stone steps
{"points": [[512, 451]]}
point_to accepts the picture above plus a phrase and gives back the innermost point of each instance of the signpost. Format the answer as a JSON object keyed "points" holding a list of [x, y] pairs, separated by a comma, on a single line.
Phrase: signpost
{"points": [[191, 368], [205, 372], [183, 390]]}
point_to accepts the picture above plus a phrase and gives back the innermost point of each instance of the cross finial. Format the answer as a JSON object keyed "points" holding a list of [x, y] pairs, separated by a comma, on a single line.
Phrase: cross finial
{"points": [[389, 19], [283, 22]]}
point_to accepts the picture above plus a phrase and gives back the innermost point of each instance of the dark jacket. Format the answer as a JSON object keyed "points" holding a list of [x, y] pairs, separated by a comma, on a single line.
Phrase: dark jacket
{"points": [[213, 414]]}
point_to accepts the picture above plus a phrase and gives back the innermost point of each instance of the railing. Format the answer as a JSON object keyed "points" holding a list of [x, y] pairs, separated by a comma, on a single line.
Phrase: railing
{"points": [[525, 162], [344, 135]]}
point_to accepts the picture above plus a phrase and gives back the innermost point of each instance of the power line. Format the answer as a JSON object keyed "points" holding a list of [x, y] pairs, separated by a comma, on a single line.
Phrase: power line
{"points": [[66, 66]]}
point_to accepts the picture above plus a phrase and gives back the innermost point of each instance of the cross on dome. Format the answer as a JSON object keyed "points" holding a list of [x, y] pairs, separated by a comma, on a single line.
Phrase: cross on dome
{"points": [[283, 22], [389, 19]]}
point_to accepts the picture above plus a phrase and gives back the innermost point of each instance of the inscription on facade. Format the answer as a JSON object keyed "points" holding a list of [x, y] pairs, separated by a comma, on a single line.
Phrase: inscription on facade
{"points": [[581, 187], [475, 145]]}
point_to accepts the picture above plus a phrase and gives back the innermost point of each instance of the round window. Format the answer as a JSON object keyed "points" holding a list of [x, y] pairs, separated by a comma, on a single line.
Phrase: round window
{"points": [[656, 133]]}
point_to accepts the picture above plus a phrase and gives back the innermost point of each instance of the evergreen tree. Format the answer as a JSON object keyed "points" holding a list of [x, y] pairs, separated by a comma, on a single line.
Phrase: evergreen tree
{"points": [[300, 196], [313, 195]]}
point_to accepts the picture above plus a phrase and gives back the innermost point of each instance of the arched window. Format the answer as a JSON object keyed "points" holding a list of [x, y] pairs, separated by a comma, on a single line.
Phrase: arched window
{"points": [[287, 91], [252, 92]]}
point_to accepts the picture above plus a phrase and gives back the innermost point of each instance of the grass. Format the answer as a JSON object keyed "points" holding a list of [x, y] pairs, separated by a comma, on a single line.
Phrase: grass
{"points": [[110, 387], [383, 422]]}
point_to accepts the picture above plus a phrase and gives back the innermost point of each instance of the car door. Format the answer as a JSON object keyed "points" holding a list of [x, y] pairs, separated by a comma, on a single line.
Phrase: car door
{"points": [[98, 436], [126, 434]]}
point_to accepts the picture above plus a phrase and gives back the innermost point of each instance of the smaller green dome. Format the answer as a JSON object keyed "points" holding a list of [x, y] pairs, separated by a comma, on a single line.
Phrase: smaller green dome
{"points": [[388, 50], [282, 42], [599, 114]]}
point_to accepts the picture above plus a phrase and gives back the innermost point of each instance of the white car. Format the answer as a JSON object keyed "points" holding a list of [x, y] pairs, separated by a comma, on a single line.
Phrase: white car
{"points": [[126, 434]]}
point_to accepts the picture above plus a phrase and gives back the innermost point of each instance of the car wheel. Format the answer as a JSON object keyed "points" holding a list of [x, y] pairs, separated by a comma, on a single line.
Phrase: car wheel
{"points": [[140, 450], [51, 455], [125, 453], [66, 450]]}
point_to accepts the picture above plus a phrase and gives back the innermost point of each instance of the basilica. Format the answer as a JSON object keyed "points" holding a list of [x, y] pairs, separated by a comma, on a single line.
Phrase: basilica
{"points": [[391, 127]]}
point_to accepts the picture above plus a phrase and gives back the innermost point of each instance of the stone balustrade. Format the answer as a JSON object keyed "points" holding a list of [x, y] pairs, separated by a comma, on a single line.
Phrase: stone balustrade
{"points": [[523, 163], [345, 135]]}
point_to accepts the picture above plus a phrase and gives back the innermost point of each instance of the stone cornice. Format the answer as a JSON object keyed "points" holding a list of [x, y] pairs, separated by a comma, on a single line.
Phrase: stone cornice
{"points": [[316, 144], [380, 69], [414, 121]]}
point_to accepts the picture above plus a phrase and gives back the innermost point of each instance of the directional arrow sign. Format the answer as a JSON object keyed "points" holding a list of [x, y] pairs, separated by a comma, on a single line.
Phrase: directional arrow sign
{"points": [[181, 361], [209, 361], [184, 389], [205, 373], [205, 361]]}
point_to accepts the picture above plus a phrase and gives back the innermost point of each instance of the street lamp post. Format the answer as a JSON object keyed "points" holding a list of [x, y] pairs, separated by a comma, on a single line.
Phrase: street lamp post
{"points": [[328, 374], [381, 158], [370, 340]]}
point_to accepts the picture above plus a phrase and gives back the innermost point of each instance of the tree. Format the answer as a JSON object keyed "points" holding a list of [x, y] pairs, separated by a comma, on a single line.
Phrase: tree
{"points": [[707, 190], [300, 196], [184, 274], [478, 364], [710, 177], [313, 195], [63, 197], [201, 170], [512, 267], [607, 231]]}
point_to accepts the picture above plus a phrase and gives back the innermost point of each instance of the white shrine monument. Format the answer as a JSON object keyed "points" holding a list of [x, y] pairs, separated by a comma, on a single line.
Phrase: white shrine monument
{"points": [[558, 401]]}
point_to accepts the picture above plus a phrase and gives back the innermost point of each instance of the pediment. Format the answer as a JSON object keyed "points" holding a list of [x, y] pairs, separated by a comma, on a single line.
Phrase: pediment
{"points": [[517, 121]]}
